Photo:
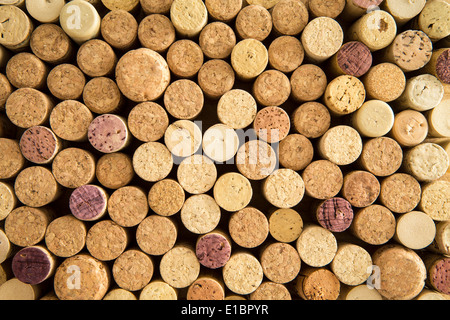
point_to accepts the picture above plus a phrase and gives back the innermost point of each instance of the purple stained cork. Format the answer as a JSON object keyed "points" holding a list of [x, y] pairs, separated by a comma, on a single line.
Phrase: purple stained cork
{"points": [[440, 275], [335, 214], [354, 58], [32, 265], [88, 202], [108, 133], [39, 144], [213, 250], [443, 66]]}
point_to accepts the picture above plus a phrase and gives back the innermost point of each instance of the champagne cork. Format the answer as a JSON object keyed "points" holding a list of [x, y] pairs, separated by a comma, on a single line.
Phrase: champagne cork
{"points": [[213, 249], [66, 236], [127, 5], [280, 262], [415, 230], [224, 11], [290, 17], [248, 227], [159, 6], [114, 170], [101, 95], [272, 124], [295, 152], [256, 159], [109, 133], [89, 277], [74, 167], [200, 214], [361, 188], [253, 22], [285, 225], [237, 108], [119, 294], [217, 40], [426, 161], [359, 292], [106, 240], [402, 272], [308, 83], [7, 249], [353, 58], [158, 290], [374, 119], [437, 272], [142, 75], [11, 159], [5, 90], [356, 8], [216, 77], [271, 88], [403, 11], [128, 206], [322, 38], [220, 142], [431, 19], [243, 273], [437, 124], [25, 226], [344, 95], [422, 93], [184, 99], [28, 107], [374, 224], [400, 192], [17, 28], [284, 188], [341, 145], [381, 156], [25, 70], [185, 58], [45, 11], [317, 284], [179, 267], [249, 58], [50, 43], [156, 32], [119, 29], [152, 161], [156, 235], [148, 121], [197, 174], [96, 58], [438, 65], [88, 202], [324, 8], [80, 21], [410, 128], [166, 197], [33, 265], [335, 214], [352, 264], [441, 242], [385, 82], [133, 270], [14, 289], [434, 199], [9, 199], [323, 179], [286, 53], [66, 82], [206, 288], [232, 191], [188, 17], [183, 138], [272, 291], [39, 145], [311, 119]]}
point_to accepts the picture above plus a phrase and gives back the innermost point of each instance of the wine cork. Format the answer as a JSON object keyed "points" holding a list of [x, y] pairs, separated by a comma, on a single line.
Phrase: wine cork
{"points": [[268, 4], [324, 8], [427, 294], [119, 294], [106, 240], [184, 99], [88, 202], [374, 119], [158, 290], [206, 288], [356, 8], [128, 206], [243, 273], [9, 199], [7, 249], [322, 38], [80, 21], [237, 108], [197, 174], [109, 133], [65, 236], [213, 249], [17, 28], [89, 277], [253, 22], [74, 167], [286, 53], [272, 124], [438, 65], [215, 78], [256, 160], [285, 225], [308, 83], [248, 227], [189, 17], [119, 29], [249, 58], [179, 267], [183, 138], [317, 284], [185, 58], [437, 124], [290, 17], [295, 152], [26, 70], [410, 128], [374, 224], [45, 11], [352, 264], [232, 191], [316, 246], [434, 199], [431, 21], [341, 145], [127, 5], [39, 145], [101, 95], [441, 242], [280, 262], [437, 272], [334, 214], [142, 115], [359, 292], [156, 235], [222, 11], [114, 170], [200, 214], [133, 270], [66, 82], [217, 40], [271, 88], [403, 11], [96, 58], [400, 192], [156, 32], [311, 119], [353, 58], [284, 188], [344, 95], [159, 6], [142, 75], [426, 161], [422, 93], [381, 156], [272, 291], [166, 197], [415, 230], [50, 43], [25, 226], [385, 82], [33, 264], [14, 289], [361, 188], [11, 159], [152, 161], [5, 90], [220, 142]]}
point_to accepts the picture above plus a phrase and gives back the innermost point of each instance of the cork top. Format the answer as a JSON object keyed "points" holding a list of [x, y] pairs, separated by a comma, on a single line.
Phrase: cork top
{"points": [[272, 124], [237, 108], [381, 156], [344, 95], [410, 128], [74, 167], [88, 202], [156, 235], [206, 288], [128, 206], [114, 170], [66, 81], [133, 270], [269, 290], [435, 198], [325, 8], [374, 224], [200, 214], [354, 58], [295, 152], [148, 121], [290, 17], [335, 214], [216, 77], [352, 264], [184, 99], [220, 142], [156, 32], [280, 262], [311, 119], [185, 58], [366, 4], [400, 192], [232, 191], [197, 174], [223, 11], [341, 145], [248, 227], [9, 199], [426, 161], [286, 53], [271, 88], [158, 290], [217, 40], [385, 82], [166, 197], [213, 250], [323, 179], [106, 240], [308, 82], [26, 70], [108, 133], [127, 5], [96, 58], [284, 188], [442, 64], [33, 265], [65, 236], [188, 17], [415, 230], [254, 22], [179, 267], [101, 95], [256, 159], [152, 161], [430, 20], [249, 58], [86, 27], [183, 138], [361, 188], [11, 159], [285, 225], [156, 6], [319, 284], [17, 29], [439, 275], [70, 120], [39, 144], [119, 28], [243, 273]]}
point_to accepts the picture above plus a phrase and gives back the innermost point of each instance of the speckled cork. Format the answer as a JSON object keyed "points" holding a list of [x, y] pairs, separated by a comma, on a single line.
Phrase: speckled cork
{"points": [[156, 32], [158, 6], [14, 289], [361, 188], [403, 11], [353, 58], [285, 225], [374, 224], [426, 162], [114, 170], [158, 290], [133, 270], [142, 75], [148, 121], [184, 99], [216, 77], [152, 161], [217, 40], [119, 29], [185, 58], [70, 120], [402, 272], [253, 22], [237, 108], [384, 81], [352, 264], [438, 65], [289, 17], [438, 272], [44, 11], [323, 179], [26, 70], [295, 152], [280, 262], [65, 236], [17, 28], [88, 202], [86, 26], [431, 19], [410, 128], [128, 206], [74, 167], [11, 159], [188, 17], [200, 214], [183, 138], [206, 288], [51, 44], [166, 197], [284, 188], [381, 156], [33, 264], [317, 284], [441, 242], [66, 81], [82, 277], [109, 133], [434, 199], [102, 95], [106, 240], [272, 124], [269, 290], [415, 230], [248, 227], [5, 90], [243, 273], [39, 144], [324, 8], [341, 145], [249, 58], [197, 174], [400, 192], [308, 83], [224, 11], [96, 58], [213, 249], [344, 95], [120, 294], [335, 214], [156, 235], [311, 119], [286, 53], [256, 159], [220, 143], [232, 191], [9, 199], [271, 88]]}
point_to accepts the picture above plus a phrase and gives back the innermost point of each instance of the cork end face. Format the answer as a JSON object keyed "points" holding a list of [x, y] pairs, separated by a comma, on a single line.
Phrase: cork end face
{"points": [[39, 144], [108, 133], [213, 251], [88, 202], [354, 58], [335, 214], [443, 67], [32, 265]]}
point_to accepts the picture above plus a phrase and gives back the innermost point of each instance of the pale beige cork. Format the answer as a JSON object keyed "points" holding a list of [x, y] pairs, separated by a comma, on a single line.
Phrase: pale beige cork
{"points": [[295, 152], [426, 162], [184, 99], [243, 273], [359, 292], [156, 32], [106, 240], [220, 143], [403, 10], [156, 235], [317, 246], [70, 120], [26, 70], [148, 121], [344, 95], [441, 242], [438, 126], [128, 206], [341, 145], [127, 5], [74, 167], [427, 294], [14, 289], [410, 128], [434, 200], [158, 290], [206, 288], [119, 29], [45, 11], [216, 77], [272, 291], [272, 124], [400, 192], [232, 191], [284, 188], [237, 108], [311, 119], [156, 6], [166, 197], [248, 227], [197, 174], [133, 270], [286, 53], [323, 179], [381, 156], [51, 44], [66, 236], [200, 214], [432, 21], [352, 264], [308, 83], [253, 22], [102, 95], [183, 138], [325, 8], [271, 88], [9, 199], [224, 11], [185, 58], [119, 294], [415, 230], [17, 28], [249, 58], [5, 90], [11, 159], [179, 267], [422, 93], [317, 284], [285, 225], [375, 118], [217, 40], [256, 159], [66, 81], [114, 170], [7, 250], [80, 20], [289, 17], [152, 161], [280, 262], [189, 17]]}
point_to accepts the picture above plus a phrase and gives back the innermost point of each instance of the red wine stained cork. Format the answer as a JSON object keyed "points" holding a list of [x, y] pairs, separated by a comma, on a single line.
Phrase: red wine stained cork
{"points": [[25, 70], [308, 83], [224, 11], [249, 58], [119, 29], [271, 88], [158, 290], [403, 11], [152, 161], [184, 99], [66, 81], [119, 294], [374, 224], [385, 82], [438, 272], [88, 202], [133, 270], [437, 119], [248, 227], [402, 272], [74, 167], [311, 119], [335, 214], [316, 246], [156, 235], [284, 188], [290, 17], [82, 277], [434, 199], [323, 179], [317, 284], [422, 93], [11, 159], [237, 108], [142, 75], [217, 40], [158, 6], [166, 197], [39, 144], [148, 121], [51, 44], [381, 156], [352, 264], [17, 28], [356, 8], [415, 230], [216, 77], [197, 174], [280, 262], [438, 65], [256, 159], [26, 226], [253, 22], [45, 11], [127, 5], [80, 21], [109, 133], [106, 240], [213, 249], [344, 95], [232, 191], [156, 32], [7, 250], [269, 290], [220, 143], [206, 288], [33, 265], [179, 266], [200, 214], [272, 124], [432, 21], [285, 225], [243, 273], [185, 58], [66, 236], [5, 90], [183, 138], [426, 162], [410, 128], [295, 152], [353, 58], [400, 192], [286, 53], [114, 170], [9, 199], [441, 242], [188, 17], [341, 145], [28, 107], [128, 206], [101, 95], [325, 8], [361, 188]]}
